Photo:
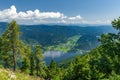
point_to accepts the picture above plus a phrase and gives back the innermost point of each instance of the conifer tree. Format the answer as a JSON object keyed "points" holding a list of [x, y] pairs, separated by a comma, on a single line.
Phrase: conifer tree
{"points": [[11, 36], [52, 64], [38, 58], [116, 24]]}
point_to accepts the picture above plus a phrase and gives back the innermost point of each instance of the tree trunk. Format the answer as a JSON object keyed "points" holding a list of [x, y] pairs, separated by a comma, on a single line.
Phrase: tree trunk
{"points": [[6, 63], [31, 65], [14, 56], [37, 67]]}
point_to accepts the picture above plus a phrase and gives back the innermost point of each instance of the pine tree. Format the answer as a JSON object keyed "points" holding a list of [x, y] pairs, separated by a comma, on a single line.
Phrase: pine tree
{"points": [[11, 36], [5, 54], [116, 24], [52, 64], [38, 58], [27, 53]]}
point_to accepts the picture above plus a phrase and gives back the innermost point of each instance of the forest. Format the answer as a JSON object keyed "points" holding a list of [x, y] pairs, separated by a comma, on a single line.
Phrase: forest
{"points": [[101, 63], [62, 37]]}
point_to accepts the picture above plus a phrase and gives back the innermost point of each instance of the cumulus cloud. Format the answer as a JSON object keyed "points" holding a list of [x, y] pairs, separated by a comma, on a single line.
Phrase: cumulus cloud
{"points": [[38, 17]]}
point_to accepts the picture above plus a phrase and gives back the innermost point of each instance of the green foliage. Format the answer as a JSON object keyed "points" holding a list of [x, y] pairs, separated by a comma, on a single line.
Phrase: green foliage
{"points": [[13, 51], [54, 72], [108, 38], [101, 62], [43, 70], [38, 58], [113, 76], [116, 23], [52, 64], [11, 44], [27, 53]]}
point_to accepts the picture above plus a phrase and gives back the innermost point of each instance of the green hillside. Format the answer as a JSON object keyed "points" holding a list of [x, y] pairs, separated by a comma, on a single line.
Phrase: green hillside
{"points": [[61, 37], [65, 47]]}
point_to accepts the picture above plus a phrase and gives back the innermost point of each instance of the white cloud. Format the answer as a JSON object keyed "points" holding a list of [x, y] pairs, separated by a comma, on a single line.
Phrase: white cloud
{"points": [[38, 17], [75, 18], [97, 22]]}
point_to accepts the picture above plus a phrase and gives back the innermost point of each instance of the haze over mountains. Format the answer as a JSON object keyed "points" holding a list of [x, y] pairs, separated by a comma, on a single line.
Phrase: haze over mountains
{"points": [[60, 37]]}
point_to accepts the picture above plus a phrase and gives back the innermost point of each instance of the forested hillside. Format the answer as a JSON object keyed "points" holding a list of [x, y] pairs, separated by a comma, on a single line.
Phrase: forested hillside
{"points": [[51, 36], [101, 63]]}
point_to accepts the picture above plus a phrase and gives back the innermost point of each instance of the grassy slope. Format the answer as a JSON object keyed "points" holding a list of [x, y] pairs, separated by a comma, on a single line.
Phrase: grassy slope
{"points": [[6, 74], [65, 47]]}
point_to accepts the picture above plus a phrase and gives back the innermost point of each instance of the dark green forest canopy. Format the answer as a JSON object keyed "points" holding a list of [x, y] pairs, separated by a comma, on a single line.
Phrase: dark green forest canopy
{"points": [[55, 35]]}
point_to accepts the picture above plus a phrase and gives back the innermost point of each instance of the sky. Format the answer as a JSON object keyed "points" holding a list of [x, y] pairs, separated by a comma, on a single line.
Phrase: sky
{"points": [[59, 11]]}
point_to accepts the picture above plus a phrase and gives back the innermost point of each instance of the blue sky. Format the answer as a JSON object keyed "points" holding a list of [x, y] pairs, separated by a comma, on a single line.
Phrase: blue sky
{"points": [[61, 11]]}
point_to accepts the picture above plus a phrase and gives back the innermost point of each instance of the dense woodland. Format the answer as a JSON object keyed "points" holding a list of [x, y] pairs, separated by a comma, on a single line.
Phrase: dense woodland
{"points": [[101, 63], [62, 37]]}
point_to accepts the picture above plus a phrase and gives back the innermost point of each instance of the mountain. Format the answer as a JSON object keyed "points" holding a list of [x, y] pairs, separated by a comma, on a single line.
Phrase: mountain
{"points": [[65, 38]]}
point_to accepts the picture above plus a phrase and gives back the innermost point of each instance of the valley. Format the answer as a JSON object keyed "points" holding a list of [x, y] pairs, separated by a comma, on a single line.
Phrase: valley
{"points": [[65, 41]]}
